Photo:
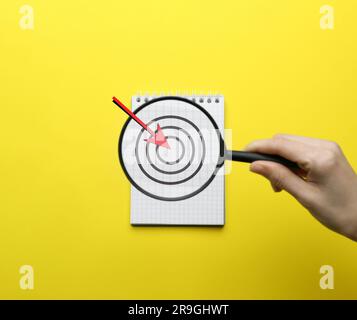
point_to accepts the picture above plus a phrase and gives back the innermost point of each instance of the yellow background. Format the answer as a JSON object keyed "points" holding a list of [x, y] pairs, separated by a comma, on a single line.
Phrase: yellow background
{"points": [[64, 205]]}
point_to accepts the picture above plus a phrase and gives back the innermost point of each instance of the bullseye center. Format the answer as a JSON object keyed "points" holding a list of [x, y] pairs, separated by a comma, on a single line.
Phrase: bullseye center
{"points": [[172, 155]]}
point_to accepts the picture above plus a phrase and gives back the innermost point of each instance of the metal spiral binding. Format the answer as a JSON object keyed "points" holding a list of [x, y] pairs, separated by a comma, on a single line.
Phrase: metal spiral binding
{"points": [[197, 97]]}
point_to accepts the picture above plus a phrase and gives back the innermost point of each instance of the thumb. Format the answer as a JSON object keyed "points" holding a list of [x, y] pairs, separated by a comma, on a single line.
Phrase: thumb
{"points": [[282, 178]]}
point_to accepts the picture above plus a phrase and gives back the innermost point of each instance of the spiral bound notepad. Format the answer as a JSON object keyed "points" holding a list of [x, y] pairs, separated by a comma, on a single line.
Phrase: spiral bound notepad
{"points": [[206, 207]]}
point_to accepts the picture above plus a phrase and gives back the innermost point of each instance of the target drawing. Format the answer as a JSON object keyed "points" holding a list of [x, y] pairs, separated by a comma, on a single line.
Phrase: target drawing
{"points": [[189, 162]]}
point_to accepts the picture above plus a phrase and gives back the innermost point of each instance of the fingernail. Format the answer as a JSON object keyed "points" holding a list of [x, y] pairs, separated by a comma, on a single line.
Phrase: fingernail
{"points": [[247, 147]]}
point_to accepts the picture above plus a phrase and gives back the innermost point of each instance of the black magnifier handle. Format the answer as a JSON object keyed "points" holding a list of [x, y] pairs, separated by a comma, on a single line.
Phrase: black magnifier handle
{"points": [[244, 156]]}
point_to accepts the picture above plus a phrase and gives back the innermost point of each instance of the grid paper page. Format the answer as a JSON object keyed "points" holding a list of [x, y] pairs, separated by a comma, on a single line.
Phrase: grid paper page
{"points": [[205, 208]]}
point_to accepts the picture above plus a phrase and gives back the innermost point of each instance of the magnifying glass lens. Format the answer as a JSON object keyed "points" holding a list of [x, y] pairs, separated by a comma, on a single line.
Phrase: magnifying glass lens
{"points": [[188, 166]]}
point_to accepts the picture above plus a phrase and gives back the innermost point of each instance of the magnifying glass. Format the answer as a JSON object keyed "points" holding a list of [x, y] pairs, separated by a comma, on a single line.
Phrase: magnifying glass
{"points": [[188, 150]]}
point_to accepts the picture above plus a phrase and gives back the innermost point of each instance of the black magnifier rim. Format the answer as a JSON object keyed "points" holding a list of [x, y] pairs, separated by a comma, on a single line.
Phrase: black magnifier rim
{"points": [[219, 162]]}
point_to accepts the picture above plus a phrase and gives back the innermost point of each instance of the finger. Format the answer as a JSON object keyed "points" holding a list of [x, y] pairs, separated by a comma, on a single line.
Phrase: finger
{"points": [[282, 178], [295, 151], [306, 140], [292, 137], [275, 188]]}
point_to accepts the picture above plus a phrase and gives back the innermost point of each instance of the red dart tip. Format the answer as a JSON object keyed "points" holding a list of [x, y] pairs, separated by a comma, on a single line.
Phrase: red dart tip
{"points": [[158, 138]]}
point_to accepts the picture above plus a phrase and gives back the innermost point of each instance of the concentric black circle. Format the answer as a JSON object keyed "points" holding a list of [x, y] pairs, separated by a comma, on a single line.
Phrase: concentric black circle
{"points": [[186, 165], [209, 179], [179, 158], [177, 171]]}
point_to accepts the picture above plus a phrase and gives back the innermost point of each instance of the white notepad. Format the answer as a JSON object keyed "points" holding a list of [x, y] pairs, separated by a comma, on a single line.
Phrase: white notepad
{"points": [[205, 208]]}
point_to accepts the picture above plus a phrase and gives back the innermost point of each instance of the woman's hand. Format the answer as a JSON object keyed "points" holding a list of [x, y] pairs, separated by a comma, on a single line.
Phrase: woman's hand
{"points": [[325, 184]]}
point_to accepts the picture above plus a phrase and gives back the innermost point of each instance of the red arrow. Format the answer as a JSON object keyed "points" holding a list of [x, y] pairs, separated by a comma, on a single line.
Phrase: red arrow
{"points": [[157, 138]]}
